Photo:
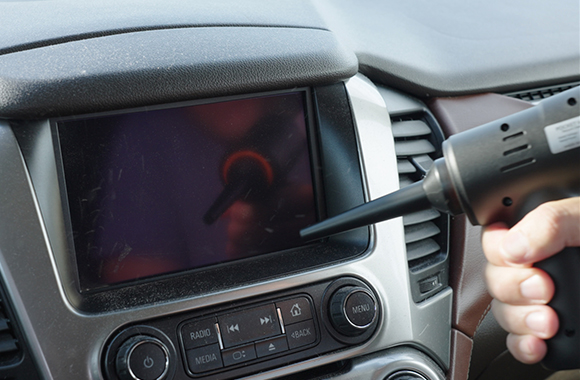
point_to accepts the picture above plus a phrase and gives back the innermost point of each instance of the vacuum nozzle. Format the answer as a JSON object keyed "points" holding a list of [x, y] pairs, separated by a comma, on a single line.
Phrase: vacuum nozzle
{"points": [[409, 199]]}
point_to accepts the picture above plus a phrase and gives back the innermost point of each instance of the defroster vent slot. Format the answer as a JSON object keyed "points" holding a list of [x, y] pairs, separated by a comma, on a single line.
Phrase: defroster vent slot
{"points": [[418, 141], [537, 94]]}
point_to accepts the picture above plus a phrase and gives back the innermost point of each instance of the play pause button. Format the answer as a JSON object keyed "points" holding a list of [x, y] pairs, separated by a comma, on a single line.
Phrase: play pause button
{"points": [[271, 346]]}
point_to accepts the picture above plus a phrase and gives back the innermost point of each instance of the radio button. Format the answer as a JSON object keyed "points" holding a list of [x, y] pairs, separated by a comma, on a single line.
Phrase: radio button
{"points": [[249, 325], [301, 334], [239, 355], [295, 310], [271, 346], [199, 333], [204, 359]]}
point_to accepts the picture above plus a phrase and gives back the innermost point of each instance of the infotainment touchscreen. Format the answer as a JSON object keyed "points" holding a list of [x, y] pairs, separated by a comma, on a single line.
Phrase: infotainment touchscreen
{"points": [[161, 191]]}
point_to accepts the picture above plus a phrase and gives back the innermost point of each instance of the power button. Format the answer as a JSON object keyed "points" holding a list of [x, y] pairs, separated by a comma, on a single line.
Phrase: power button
{"points": [[142, 358]]}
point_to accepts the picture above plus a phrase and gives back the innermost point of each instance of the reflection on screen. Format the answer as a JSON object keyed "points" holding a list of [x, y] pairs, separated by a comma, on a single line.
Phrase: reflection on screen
{"points": [[168, 190]]}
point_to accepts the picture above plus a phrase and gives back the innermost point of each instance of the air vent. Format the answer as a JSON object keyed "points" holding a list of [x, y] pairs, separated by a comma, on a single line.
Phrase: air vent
{"points": [[417, 144], [15, 359], [9, 349], [538, 94]]}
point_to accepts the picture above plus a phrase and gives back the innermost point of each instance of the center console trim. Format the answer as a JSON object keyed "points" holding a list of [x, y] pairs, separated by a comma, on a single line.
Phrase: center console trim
{"points": [[384, 266]]}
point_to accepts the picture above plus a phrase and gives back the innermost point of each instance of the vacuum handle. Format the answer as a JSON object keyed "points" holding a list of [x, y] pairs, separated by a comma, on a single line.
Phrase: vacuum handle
{"points": [[564, 269], [564, 347]]}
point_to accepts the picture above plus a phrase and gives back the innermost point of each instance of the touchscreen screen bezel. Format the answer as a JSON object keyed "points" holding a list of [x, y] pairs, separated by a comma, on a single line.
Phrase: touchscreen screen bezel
{"points": [[333, 145]]}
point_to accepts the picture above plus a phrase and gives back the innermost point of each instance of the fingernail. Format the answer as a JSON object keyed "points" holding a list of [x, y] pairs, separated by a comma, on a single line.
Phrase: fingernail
{"points": [[533, 288], [537, 321], [514, 246], [525, 347]]}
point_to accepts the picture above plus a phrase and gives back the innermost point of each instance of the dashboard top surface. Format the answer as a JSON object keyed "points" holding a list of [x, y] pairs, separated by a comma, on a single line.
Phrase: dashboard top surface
{"points": [[453, 48], [425, 48], [57, 21]]}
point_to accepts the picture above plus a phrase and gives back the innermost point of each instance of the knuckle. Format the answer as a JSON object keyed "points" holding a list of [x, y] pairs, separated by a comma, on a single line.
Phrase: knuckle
{"points": [[551, 218]]}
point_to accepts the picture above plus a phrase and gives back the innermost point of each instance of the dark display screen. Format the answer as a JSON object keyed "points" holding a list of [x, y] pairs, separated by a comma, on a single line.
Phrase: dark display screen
{"points": [[167, 190]]}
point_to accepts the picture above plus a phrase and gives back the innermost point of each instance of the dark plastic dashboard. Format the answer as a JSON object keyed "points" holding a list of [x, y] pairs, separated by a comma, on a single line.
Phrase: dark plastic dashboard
{"points": [[382, 84]]}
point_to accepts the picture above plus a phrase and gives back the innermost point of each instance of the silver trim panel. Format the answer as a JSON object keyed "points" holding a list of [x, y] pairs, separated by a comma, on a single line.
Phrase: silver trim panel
{"points": [[68, 344]]}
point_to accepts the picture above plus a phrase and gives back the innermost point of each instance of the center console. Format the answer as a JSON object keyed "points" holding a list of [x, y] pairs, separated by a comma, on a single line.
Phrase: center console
{"points": [[169, 247]]}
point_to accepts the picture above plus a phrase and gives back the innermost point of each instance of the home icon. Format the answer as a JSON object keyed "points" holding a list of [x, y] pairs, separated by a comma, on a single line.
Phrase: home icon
{"points": [[295, 310]]}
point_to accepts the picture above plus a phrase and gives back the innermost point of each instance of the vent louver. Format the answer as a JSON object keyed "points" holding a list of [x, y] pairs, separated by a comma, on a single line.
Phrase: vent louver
{"points": [[417, 144], [9, 350], [15, 359], [537, 94]]}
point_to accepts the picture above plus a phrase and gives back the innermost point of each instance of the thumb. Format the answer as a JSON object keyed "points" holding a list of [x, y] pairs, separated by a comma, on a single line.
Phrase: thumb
{"points": [[543, 232]]}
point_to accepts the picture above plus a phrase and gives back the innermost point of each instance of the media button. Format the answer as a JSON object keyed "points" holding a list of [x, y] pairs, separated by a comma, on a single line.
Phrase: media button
{"points": [[271, 346], [199, 333], [204, 359], [249, 325], [301, 334], [295, 310], [239, 355]]}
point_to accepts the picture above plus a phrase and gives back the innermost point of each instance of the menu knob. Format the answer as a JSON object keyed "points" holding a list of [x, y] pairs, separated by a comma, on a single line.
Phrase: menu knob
{"points": [[353, 310]]}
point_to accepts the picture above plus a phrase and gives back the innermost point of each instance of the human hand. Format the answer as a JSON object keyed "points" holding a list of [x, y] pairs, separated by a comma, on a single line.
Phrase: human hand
{"points": [[520, 291]]}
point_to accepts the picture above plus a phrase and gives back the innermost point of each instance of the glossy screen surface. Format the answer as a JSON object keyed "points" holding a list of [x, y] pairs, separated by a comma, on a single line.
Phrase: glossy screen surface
{"points": [[168, 190]]}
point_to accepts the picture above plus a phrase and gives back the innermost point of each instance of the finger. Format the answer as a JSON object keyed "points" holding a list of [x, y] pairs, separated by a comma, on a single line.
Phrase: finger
{"points": [[527, 349], [519, 286], [491, 239], [538, 320], [543, 232]]}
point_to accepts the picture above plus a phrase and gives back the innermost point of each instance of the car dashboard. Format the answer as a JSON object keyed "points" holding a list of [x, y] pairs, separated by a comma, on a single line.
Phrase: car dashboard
{"points": [[158, 160]]}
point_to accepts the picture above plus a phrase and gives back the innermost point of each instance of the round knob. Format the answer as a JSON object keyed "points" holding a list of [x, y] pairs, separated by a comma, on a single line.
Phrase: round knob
{"points": [[142, 357], [352, 310], [406, 375]]}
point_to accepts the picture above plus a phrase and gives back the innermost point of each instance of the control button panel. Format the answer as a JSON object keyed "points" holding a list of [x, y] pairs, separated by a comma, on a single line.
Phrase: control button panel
{"points": [[247, 335]]}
